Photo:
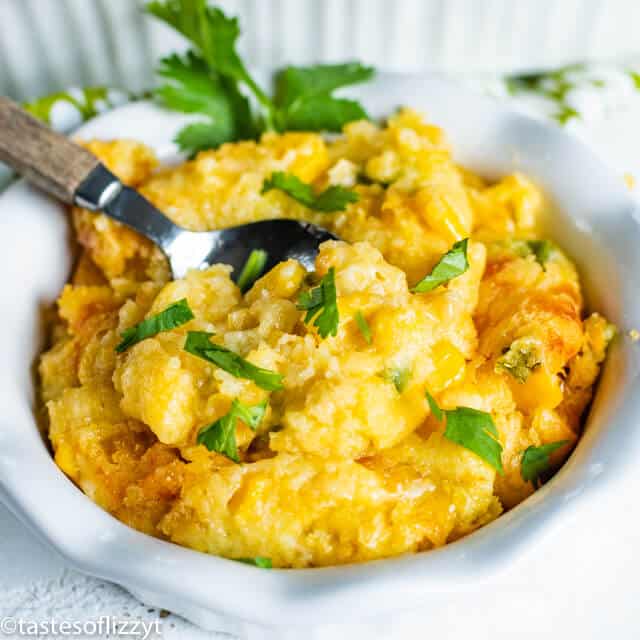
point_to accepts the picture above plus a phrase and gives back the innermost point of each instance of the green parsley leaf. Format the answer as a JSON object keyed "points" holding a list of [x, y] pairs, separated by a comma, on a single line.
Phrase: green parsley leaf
{"points": [[210, 31], [323, 113], [363, 325], [321, 305], [214, 37], [173, 316], [476, 431], [303, 96], [218, 46], [399, 377], [220, 436], [332, 199], [541, 249], [452, 264], [258, 561], [199, 136], [250, 415], [471, 429], [182, 15], [294, 84], [565, 113], [435, 409], [535, 461], [253, 268], [198, 343], [303, 101], [520, 360], [87, 101], [190, 87]]}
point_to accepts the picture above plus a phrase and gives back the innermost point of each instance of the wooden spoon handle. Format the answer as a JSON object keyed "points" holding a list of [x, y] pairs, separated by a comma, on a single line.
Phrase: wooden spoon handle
{"points": [[44, 157]]}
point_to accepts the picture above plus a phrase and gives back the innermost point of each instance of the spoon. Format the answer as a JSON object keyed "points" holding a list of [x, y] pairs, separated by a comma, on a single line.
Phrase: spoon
{"points": [[73, 175]]}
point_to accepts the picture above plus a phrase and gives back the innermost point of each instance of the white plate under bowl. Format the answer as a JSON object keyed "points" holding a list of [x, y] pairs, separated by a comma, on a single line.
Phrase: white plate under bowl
{"points": [[596, 224]]}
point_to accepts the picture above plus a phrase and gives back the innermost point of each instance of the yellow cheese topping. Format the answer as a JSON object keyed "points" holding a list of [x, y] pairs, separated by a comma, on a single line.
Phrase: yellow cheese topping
{"points": [[345, 466]]}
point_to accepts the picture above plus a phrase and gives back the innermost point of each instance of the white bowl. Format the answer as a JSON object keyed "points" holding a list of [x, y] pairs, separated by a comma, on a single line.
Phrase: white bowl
{"points": [[597, 225]]}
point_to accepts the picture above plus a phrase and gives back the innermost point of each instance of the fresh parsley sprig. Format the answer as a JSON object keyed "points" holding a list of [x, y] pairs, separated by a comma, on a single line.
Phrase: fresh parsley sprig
{"points": [[198, 343], [321, 305], [212, 80], [253, 268], [536, 461], [334, 198], [471, 429], [220, 436], [452, 264], [173, 316]]}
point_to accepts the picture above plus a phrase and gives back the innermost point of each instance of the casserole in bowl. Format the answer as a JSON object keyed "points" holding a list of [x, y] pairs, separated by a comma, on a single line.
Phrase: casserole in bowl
{"points": [[488, 140]]}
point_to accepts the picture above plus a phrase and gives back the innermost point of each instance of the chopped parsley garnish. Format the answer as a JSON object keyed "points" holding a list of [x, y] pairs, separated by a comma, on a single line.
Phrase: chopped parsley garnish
{"points": [[258, 561], [471, 429], [363, 325], [520, 359], [198, 343], [535, 461], [452, 264], [211, 78], [220, 436], [541, 249], [435, 409], [252, 270], [399, 377], [334, 198], [173, 316], [321, 305]]}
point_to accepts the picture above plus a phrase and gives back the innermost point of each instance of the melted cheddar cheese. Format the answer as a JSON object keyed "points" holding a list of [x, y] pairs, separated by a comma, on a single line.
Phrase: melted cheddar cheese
{"points": [[344, 466]]}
